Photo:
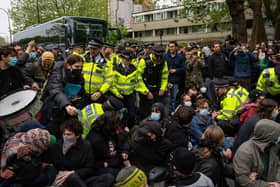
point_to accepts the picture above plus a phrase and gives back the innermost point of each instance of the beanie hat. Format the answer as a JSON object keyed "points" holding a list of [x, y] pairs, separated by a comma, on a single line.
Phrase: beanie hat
{"points": [[48, 55], [114, 103], [131, 177], [183, 160], [150, 126]]}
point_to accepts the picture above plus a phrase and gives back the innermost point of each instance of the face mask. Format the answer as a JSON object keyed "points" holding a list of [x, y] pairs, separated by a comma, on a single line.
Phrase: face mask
{"points": [[155, 116], [67, 144], [203, 112], [188, 103], [12, 61], [203, 89], [77, 72], [32, 56]]}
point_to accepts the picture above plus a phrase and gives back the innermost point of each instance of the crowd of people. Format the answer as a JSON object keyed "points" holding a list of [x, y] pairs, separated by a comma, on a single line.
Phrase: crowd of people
{"points": [[138, 116]]}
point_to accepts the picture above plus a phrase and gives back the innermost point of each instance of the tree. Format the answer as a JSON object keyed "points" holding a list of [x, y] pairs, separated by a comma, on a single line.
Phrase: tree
{"points": [[238, 20], [2, 41], [23, 11], [272, 12], [258, 30]]}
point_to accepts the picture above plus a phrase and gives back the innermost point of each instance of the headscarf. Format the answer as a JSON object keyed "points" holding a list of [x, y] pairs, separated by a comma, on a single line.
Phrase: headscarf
{"points": [[37, 140]]}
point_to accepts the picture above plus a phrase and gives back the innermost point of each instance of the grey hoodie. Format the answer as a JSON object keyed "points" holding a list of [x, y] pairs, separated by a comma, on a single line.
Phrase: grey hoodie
{"points": [[247, 158]]}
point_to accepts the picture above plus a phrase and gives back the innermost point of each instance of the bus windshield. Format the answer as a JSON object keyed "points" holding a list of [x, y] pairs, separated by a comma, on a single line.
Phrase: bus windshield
{"points": [[85, 30]]}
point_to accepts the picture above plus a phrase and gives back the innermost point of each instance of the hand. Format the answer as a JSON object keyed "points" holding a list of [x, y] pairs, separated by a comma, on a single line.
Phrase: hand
{"points": [[190, 146], [253, 176], [161, 93], [126, 129], [31, 43], [95, 96], [227, 153], [120, 96], [124, 156], [62, 176], [274, 184], [71, 110], [6, 173], [172, 71], [105, 164], [23, 150], [150, 96], [35, 86], [170, 85], [26, 87], [215, 114]]}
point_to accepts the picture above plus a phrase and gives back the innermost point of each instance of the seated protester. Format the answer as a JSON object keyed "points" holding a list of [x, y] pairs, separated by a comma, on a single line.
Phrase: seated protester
{"points": [[256, 162], [250, 109], [38, 72], [11, 78], [183, 163], [209, 159], [105, 138], [131, 176], [23, 57], [186, 100], [178, 131], [63, 94], [149, 149], [73, 158], [200, 121], [21, 158], [266, 110], [193, 93]]}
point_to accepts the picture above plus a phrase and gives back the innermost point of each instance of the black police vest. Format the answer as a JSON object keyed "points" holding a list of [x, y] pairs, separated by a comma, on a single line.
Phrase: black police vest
{"points": [[152, 74]]}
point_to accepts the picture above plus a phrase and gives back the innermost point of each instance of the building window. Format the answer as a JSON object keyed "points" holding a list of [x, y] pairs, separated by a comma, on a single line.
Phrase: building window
{"points": [[148, 18], [171, 14], [138, 19], [159, 31], [148, 33], [184, 30], [198, 28], [171, 31], [158, 16]]}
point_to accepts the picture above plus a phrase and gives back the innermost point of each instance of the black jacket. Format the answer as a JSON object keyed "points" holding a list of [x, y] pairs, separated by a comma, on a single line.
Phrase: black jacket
{"points": [[147, 154], [246, 131], [178, 135], [100, 146], [216, 65], [11, 79], [79, 158]]}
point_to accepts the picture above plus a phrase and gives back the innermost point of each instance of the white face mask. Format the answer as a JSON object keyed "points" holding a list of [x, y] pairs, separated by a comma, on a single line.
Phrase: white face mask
{"points": [[203, 89], [188, 103]]}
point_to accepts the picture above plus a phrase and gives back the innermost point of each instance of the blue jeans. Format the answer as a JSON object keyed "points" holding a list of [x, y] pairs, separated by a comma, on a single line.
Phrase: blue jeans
{"points": [[173, 94]]}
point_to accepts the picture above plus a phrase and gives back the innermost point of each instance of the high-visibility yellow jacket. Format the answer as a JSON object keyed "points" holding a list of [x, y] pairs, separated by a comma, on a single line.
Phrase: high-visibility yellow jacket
{"points": [[125, 83], [88, 116], [242, 95], [154, 75], [98, 76], [268, 82], [230, 105]]}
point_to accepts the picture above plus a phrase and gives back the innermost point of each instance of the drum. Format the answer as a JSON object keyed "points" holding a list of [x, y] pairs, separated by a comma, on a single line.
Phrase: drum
{"points": [[15, 107]]}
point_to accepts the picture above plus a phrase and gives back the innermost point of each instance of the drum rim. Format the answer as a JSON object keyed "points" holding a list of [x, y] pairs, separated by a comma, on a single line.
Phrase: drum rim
{"points": [[19, 111]]}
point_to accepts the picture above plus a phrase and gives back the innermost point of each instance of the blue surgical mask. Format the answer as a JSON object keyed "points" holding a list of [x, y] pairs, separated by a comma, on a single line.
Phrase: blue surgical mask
{"points": [[12, 61], [32, 56], [155, 116], [203, 112]]}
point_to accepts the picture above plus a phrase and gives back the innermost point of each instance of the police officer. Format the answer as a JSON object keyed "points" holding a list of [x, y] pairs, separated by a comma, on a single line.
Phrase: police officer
{"points": [[91, 112], [126, 81], [230, 105], [269, 82], [154, 71], [97, 73]]}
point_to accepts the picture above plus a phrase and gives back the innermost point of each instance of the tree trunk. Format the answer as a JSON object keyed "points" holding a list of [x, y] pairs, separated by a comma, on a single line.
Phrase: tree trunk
{"points": [[239, 26], [258, 30], [273, 14]]}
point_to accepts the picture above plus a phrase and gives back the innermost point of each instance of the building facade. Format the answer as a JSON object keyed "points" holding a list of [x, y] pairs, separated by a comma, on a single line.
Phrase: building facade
{"points": [[167, 24]]}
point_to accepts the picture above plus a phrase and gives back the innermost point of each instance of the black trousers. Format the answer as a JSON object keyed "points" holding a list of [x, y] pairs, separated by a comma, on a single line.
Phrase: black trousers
{"points": [[129, 103]]}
